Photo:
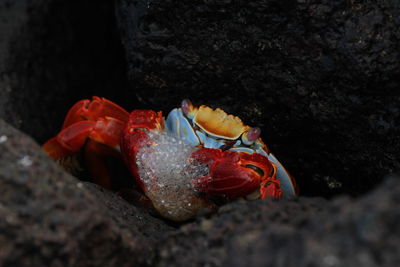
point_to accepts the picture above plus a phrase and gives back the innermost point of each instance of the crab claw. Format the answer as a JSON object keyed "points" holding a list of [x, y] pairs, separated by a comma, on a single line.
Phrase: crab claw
{"points": [[135, 136], [236, 174], [271, 187], [98, 119]]}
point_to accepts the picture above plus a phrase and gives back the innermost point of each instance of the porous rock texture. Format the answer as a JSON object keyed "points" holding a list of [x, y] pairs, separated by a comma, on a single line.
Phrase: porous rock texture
{"points": [[306, 232], [49, 218], [320, 78]]}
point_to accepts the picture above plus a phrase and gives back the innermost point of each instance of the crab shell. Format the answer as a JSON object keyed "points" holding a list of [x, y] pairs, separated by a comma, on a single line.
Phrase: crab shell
{"points": [[214, 128]]}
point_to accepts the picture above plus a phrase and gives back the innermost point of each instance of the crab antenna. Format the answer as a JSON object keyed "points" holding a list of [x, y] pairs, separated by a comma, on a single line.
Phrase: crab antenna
{"points": [[186, 106], [251, 135]]}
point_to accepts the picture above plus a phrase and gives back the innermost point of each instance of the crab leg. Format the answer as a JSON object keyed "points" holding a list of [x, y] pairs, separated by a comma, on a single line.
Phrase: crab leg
{"points": [[71, 139], [93, 109], [55, 150], [98, 119], [99, 138]]}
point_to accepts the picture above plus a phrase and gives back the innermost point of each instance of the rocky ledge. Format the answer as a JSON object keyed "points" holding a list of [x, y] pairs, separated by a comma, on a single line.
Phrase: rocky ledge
{"points": [[51, 218]]}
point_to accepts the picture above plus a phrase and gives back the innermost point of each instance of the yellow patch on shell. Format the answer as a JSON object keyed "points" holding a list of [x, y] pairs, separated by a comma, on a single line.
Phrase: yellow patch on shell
{"points": [[218, 123]]}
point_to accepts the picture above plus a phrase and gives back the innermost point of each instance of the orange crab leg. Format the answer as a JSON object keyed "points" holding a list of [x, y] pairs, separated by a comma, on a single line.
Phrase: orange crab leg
{"points": [[69, 140], [75, 113], [95, 125], [55, 150], [105, 131], [94, 109], [74, 137]]}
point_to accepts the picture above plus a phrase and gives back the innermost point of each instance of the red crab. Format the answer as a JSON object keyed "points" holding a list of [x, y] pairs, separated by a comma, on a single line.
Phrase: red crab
{"points": [[237, 159]]}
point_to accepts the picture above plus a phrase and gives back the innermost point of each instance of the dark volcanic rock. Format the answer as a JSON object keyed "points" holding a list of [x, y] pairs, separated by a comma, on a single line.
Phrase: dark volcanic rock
{"points": [[49, 218], [53, 53], [306, 232], [321, 78]]}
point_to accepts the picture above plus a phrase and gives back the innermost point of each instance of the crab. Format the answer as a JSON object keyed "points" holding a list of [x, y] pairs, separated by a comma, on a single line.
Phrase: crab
{"points": [[234, 161]]}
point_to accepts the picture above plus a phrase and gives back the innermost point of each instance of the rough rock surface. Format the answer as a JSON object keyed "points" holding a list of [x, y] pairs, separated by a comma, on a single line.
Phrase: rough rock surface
{"points": [[321, 78], [49, 218], [306, 232]]}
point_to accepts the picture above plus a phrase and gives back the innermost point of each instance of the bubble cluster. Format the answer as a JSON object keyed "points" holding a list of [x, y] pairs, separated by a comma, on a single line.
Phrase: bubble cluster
{"points": [[167, 171]]}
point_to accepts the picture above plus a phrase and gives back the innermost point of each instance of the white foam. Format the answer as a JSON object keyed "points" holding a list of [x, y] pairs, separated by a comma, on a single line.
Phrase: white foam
{"points": [[166, 172]]}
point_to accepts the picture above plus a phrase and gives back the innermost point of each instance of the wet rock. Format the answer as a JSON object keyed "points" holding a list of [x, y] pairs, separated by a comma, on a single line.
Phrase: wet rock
{"points": [[320, 78], [49, 218], [305, 232]]}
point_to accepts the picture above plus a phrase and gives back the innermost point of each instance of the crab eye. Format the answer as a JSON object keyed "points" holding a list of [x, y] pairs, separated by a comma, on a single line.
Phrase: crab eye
{"points": [[256, 169], [251, 135], [186, 106]]}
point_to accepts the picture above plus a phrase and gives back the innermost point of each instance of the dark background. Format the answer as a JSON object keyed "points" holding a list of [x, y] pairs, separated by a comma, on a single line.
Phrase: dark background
{"points": [[320, 78]]}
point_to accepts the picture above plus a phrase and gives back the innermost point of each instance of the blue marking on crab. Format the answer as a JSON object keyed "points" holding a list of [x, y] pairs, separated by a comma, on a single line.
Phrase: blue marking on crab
{"points": [[187, 130], [283, 176], [208, 141], [180, 127]]}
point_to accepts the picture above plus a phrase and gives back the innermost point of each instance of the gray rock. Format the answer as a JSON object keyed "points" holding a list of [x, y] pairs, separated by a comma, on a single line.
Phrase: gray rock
{"points": [[305, 232], [49, 218]]}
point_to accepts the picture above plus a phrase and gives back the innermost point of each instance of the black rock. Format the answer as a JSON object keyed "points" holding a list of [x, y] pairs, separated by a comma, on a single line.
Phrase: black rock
{"points": [[321, 78]]}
